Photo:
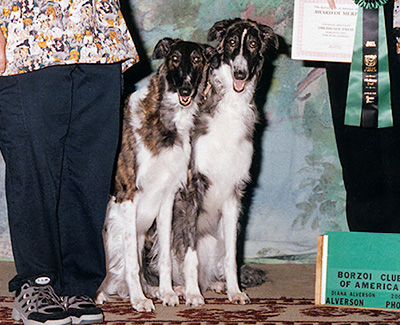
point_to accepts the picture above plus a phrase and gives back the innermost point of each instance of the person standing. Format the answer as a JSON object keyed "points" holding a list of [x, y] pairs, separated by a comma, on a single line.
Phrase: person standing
{"points": [[370, 157], [60, 93]]}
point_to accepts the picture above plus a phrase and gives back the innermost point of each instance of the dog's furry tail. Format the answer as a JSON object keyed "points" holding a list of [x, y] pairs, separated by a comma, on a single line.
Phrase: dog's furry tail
{"points": [[251, 276]]}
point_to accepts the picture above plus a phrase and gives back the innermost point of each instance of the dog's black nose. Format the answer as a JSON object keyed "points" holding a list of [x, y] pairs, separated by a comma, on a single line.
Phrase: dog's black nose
{"points": [[185, 91], [240, 75]]}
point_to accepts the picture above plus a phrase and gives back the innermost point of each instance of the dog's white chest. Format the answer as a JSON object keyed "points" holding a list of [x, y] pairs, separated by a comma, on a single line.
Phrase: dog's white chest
{"points": [[225, 151], [167, 169]]}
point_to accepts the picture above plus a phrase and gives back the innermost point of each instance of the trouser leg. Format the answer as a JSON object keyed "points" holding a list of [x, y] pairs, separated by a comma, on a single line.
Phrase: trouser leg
{"points": [[370, 160], [90, 151], [33, 128], [58, 134]]}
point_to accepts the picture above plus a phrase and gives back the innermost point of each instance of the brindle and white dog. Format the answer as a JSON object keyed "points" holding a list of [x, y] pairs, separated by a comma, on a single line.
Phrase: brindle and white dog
{"points": [[206, 212], [152, 167]]}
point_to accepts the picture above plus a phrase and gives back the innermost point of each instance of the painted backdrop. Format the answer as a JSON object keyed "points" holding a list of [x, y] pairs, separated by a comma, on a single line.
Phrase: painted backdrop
{"points": [[298, 190]]}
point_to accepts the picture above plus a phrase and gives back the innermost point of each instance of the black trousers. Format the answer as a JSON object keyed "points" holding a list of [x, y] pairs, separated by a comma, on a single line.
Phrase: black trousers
{"points": [[370, 158], [59, 131]]}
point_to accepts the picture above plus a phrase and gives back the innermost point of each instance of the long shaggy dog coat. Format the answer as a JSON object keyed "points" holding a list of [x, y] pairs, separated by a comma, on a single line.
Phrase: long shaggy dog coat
{"points": [[206, 212], [152, 167]]}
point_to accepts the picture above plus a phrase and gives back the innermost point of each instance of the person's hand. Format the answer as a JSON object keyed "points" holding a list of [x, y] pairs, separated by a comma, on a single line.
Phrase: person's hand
{"points": [[3, 59], [332, 4]]}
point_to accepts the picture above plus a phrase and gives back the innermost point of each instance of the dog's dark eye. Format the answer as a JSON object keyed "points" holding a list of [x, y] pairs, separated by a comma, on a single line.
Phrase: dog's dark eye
{"points": [[232, 42], [196, 59], [175, 59], [253, 44]]}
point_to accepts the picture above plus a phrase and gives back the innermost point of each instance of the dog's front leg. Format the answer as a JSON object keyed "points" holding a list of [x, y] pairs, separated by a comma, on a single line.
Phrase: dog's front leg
{"points": [[132, 265], [164, 221], [193, 296], [114, 282], [230, 216]]}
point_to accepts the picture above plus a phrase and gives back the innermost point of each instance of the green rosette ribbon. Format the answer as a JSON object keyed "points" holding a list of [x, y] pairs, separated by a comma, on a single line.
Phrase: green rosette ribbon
{"points": [[368, 98], [370, 4]]}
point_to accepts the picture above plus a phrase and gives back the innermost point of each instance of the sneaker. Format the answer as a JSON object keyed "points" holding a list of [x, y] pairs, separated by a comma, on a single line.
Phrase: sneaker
{"points": [[82, 310], [38, 304]]}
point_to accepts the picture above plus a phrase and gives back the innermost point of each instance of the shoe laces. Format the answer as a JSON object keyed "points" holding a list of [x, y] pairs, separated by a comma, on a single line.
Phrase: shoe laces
{"points": [[77, 301], [40, 297]]}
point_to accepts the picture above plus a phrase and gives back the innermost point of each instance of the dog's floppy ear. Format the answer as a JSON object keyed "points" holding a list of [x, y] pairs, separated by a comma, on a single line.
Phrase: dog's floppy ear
{"points": [[208, 51], [211, 56], [269, 36], [217, 32], [162, 48]]}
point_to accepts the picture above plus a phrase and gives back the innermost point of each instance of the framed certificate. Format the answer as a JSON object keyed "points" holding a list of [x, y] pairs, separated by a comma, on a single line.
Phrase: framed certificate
{"points": [[321, 33]]}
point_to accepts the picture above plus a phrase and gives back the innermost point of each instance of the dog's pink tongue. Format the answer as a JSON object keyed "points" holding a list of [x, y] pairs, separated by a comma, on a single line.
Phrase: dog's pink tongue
{"points": [[185, 100], [238, 85]]}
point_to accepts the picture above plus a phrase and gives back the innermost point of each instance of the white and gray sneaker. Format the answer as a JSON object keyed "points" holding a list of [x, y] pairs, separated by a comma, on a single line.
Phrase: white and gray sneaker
{"points": [[37, 304], [82, 310]]}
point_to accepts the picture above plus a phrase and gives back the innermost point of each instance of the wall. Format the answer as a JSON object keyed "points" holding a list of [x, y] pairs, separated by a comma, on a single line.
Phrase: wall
{"points": [[298, 190]]}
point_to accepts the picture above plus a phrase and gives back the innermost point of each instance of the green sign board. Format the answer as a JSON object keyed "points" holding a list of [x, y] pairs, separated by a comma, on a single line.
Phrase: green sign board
{"points": [[359, 270]]}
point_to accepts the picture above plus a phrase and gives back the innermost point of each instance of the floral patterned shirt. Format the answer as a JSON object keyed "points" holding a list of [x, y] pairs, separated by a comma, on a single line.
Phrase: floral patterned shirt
{"points": [[42, 33]]}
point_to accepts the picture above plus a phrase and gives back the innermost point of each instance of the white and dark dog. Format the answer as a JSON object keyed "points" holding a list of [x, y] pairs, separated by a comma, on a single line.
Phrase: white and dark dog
{"points": [[152, 167], [207, 210]]}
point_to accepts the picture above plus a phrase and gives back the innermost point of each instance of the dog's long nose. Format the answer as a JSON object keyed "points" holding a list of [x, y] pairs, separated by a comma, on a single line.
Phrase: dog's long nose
{"points": [[186, 89], [240, 75]]}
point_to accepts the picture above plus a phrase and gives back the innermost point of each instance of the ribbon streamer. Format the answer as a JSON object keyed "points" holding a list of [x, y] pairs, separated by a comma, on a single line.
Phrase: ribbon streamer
{"points": [[368, 98]]}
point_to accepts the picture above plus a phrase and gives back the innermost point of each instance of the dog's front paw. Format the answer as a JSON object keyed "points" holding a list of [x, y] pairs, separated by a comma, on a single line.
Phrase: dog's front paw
{"points": [[218, 287], [152, 292], [180, 291], [239, 298], [143, 305], [194, 300], [101, 298], [170, 299]]}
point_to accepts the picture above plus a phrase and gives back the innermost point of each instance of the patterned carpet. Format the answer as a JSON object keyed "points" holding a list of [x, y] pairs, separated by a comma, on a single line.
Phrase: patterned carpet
{"points": [[281, 311], [294, 281]]}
